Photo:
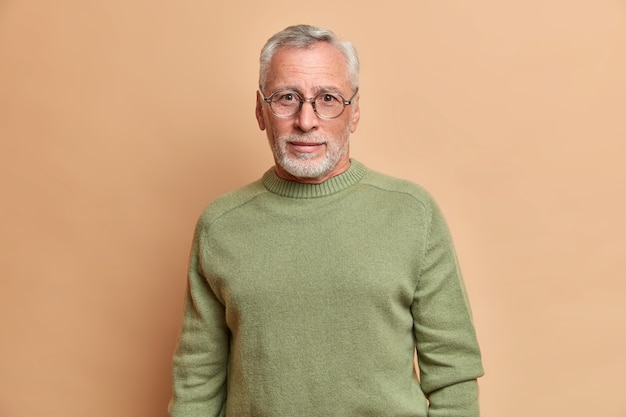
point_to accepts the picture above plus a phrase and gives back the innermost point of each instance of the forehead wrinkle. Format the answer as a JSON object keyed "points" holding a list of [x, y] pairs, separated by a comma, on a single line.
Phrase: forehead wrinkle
{"points": [[306, 75]]}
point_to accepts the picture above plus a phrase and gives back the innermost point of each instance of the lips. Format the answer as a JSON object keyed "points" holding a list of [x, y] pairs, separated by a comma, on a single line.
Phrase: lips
{"points": [[306, 147]]}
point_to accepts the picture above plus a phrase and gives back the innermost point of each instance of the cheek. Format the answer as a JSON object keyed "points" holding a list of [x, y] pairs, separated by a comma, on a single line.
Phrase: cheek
{"points": [[344, 129], [278, 127]]}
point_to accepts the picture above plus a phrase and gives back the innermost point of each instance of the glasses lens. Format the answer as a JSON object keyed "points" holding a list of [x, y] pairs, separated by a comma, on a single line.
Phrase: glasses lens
{"points": [[329, 105], [285, 103]]}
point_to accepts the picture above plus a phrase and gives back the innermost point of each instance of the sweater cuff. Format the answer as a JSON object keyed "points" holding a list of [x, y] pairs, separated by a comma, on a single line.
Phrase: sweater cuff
{"points": [[458, 400]]}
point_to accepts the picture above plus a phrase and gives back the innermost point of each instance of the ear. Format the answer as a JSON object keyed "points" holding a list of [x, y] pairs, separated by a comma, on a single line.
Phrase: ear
{"points": [[259, 111], [356, 114]]}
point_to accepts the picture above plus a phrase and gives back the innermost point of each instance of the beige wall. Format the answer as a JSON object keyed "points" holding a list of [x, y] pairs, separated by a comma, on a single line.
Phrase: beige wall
{"points": [[120, 120]]}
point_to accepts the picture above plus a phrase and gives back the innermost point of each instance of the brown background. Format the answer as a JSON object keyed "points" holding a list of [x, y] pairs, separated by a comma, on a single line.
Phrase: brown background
{"points": [[120, 120]]}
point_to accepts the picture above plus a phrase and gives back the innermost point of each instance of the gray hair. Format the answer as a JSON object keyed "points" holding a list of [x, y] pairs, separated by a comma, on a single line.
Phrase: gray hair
{"points": [[304, 36]]}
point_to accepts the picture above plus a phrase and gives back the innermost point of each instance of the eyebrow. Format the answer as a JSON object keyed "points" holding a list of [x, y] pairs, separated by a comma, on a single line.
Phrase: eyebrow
{"points": [[317, 90]]}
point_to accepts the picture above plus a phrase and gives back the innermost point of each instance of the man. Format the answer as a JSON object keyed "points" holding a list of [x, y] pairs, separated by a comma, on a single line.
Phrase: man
{"points": [[310, 290]]}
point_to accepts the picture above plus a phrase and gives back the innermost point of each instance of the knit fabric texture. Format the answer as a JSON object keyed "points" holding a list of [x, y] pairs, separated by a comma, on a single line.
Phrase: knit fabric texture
{"points": [[310, 300]]}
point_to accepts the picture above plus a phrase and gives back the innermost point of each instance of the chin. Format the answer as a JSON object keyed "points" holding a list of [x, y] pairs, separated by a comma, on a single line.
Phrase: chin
{"points": [[307, 169]]}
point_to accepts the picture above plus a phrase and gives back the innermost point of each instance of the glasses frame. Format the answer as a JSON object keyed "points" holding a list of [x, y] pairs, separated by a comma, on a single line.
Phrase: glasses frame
{"points": [[311, 100]]}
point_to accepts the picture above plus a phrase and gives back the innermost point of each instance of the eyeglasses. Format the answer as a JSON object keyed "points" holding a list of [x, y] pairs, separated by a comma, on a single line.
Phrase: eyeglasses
{"points": [[287, 103]]}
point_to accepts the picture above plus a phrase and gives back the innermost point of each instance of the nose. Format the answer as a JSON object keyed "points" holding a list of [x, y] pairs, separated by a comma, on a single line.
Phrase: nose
{"points": [[306, 119]]}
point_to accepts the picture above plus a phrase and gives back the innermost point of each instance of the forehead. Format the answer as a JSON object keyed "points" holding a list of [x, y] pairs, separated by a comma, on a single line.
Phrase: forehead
{"points": [[321, 65]]}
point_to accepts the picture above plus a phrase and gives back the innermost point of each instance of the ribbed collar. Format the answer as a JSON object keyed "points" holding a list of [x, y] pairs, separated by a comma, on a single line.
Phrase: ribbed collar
{"points": [[332, 185]]}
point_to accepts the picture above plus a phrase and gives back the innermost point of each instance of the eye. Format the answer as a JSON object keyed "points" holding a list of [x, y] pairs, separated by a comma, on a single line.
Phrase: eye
{"points": [[328, 99], [286, 97]]}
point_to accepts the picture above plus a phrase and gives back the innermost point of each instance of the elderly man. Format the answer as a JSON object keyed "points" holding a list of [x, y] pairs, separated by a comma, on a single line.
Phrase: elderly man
{"points": [[310, 290]]}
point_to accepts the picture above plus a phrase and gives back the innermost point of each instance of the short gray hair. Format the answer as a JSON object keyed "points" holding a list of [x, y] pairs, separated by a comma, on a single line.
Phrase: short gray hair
{"points": [[304, 36]]}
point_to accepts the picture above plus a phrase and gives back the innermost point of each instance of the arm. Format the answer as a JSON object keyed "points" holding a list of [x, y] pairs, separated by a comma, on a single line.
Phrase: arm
{"points": [[448, 352], [201, 358]]}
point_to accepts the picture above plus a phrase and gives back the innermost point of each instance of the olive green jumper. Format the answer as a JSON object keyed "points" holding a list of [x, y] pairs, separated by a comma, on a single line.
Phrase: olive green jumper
{"points": [[309, 300]]}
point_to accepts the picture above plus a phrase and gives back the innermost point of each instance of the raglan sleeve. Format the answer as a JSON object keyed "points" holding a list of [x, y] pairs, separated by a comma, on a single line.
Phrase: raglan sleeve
{"points": [[201, 357], [449, 357]]}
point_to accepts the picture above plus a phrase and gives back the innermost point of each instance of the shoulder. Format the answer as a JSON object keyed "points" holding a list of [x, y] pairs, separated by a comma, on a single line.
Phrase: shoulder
{"points": [[230, 201], [398, 187], [407, 195]]}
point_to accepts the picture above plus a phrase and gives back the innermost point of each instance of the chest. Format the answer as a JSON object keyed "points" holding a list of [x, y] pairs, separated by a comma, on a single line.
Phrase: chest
{"points": [[299, 266]]}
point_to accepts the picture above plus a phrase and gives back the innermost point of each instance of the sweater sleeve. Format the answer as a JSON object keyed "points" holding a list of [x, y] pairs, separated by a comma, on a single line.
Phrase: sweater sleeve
{"points": [[201, 358], [448, 353]]}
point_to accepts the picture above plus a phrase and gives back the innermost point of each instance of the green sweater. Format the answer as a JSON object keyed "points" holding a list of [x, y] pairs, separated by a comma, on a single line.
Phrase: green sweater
{"points": [[309, 300]]}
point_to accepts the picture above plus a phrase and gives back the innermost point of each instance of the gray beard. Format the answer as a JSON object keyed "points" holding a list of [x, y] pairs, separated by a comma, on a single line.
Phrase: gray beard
{"points": [[300, 165]]}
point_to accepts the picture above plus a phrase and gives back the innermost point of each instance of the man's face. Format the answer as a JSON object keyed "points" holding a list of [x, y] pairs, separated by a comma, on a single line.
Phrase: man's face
{"points": [[306, 147]]}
